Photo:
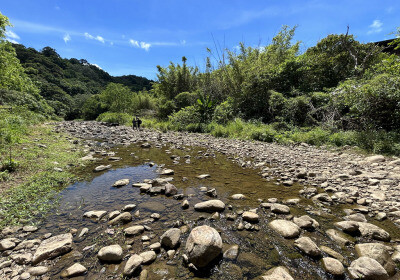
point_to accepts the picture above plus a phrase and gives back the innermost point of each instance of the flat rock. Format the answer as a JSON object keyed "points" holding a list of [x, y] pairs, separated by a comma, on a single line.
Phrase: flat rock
{"points": [[102, 168], [250, 217], [285, 228], [203, 176], [124, 218], [74, 270], [232, 252], [338, 237], [7, 244], [372, 231], [121, 183], [53, 247], [95, 214], [134, 230], [277, 273], [377, 158], [279, 208], [238, 196], [167, 172], [38, 270], [148, 257], [213, 205]]}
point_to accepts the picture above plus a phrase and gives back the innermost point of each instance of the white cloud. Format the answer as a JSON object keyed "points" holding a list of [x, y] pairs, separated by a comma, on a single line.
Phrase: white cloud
{"points": [[12, 41], [145, 46], [66, 38], [97, 38], [375, 27], [100, 39], [134, 43], [12, 35], [141, 45], [94, 64]]}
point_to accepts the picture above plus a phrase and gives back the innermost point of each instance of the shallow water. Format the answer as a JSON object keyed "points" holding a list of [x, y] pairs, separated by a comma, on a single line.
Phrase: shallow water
{"points": [[259, 250]]}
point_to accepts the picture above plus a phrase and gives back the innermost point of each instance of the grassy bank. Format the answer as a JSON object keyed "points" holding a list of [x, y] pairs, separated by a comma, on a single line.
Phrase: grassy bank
{"points": [[366, 141], [41, 164]]}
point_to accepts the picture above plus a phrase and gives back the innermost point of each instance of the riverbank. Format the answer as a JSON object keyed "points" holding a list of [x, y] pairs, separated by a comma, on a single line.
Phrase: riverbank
{"points": [[44, 161]]}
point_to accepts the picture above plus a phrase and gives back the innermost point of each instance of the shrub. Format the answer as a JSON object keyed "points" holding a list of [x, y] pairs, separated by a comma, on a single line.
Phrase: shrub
{"points": [[224, 112], [165, 109], [185, 99], [185, 117], [120, 118]]}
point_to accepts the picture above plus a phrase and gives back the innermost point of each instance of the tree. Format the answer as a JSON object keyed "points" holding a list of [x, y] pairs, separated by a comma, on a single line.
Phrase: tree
{"points": [[117, 98]]}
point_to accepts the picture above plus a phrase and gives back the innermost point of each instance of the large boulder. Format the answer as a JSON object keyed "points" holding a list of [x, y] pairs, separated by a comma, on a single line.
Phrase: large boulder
{"points": [[203, 245], [112, 253], [379, 253], [277, 273], [213, 205], [367, 269], [285, 228], [372, 231], [53, 247], [170, 239], [333, 266]]}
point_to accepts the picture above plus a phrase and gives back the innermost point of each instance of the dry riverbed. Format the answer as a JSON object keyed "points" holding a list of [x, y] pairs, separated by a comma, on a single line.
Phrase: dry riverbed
{"points": [[187, 206]]}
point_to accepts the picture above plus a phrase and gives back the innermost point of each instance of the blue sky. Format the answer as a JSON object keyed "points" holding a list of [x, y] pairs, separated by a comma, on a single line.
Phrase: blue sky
{"points": [[133, 36]]}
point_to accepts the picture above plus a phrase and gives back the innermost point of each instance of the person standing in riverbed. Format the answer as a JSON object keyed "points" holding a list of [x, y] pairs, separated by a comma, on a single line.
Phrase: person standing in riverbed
{"points": [[139, 122], [134, 122]]}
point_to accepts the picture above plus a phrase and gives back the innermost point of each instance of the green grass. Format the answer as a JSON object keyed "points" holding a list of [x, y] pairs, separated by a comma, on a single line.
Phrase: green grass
{"points": [[28, 191], [365, 141]]}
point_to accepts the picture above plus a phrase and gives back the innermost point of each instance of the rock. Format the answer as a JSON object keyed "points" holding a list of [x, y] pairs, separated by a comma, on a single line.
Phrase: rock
{"points": [[29, 228], [24, 276], [322, 197], [7, 244], [155, 246], [171, 254], [348, 226], [367, 269], [170, 189], [238, 196], [74, 270], [132, 264], [377, 158], [102, 168], [232, 252], [22, 258], [121, 183], [203, 245], [279, 208], [129, 207], [148, 257], [38, 270], [145, 145], [338, 237], [212, 192], [167, 172], [95, 214], [307, 246], [372, 231], [5, 264], [379, 253], [214, 205], [358, 217], [332, 253], [381, 216], [134, 230], [306, 222], [53, 247], [143, 274], [333, 266], [170, 239], [203, 176], [124, 218], [112, 253], [285, 228], [277, 273], [185, 204], [250, 217], [83, 232]]}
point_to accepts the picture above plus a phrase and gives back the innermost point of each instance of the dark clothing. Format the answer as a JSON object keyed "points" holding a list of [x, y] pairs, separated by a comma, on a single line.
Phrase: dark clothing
{"points": [[134, 123]]}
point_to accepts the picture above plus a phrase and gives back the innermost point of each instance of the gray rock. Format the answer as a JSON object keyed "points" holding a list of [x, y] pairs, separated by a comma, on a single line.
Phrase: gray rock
{"points": [[232, 252], [238, 196], [379, 253], [277, 273], [250, 217], [112, 253], [279, 208], [333, 266], [377, 158], [132, 265], [367, 269], [124, 218], [25, 258], [214, 205], [285, 228], [129, 207], [134, 230], [170, 189], [121, 183], [53, 247], [307, 246], [95, 214], [372, 231], [348, 226], [38, 270], [167, 172], [74, 270], [358, 217], [148, 257], [7, 244], [102, 168], [203, 245], [338, 237], [170, 239]]}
